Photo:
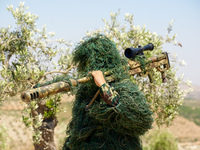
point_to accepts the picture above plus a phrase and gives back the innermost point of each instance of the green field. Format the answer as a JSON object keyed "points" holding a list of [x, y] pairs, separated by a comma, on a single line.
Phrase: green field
{"points": [[191, 110]]}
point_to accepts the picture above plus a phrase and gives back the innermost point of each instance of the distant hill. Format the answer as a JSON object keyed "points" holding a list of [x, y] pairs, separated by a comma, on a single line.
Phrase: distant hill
{"points": [[195, 94]]}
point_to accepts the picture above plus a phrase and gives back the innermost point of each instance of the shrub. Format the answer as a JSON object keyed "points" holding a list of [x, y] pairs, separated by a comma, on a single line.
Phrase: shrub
{"points": [[161, 139]]}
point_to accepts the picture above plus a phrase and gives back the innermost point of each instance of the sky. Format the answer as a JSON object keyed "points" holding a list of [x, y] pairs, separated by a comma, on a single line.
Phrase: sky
{"points": [[72, 19]]}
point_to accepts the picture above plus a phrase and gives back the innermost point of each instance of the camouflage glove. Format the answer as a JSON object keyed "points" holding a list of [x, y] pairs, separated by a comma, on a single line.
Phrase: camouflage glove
{"points": [[109, 95]]}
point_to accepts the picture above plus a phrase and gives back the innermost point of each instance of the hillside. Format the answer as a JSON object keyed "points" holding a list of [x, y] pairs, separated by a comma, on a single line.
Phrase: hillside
{"points": [[19, 138], [187, 133]]}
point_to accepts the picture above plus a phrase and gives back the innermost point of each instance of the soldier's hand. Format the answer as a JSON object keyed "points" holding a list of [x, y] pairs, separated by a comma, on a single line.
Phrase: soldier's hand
{"points": [[98, 77]]}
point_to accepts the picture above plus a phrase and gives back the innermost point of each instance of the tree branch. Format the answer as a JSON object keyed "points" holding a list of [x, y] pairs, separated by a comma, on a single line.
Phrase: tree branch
{"points": [[4, 90], [64, 72]]}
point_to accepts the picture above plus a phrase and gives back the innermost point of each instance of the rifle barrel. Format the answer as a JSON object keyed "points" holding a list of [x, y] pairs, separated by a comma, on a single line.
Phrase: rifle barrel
{"points": [[54, 88]]}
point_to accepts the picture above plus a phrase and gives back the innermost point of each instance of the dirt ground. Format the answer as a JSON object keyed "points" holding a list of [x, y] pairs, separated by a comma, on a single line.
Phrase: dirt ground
{"points": [[187, 133], [20, 138]]}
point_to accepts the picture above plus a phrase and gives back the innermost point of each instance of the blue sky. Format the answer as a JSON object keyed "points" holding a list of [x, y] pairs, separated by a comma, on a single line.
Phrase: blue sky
{"points": [[71, 20]]}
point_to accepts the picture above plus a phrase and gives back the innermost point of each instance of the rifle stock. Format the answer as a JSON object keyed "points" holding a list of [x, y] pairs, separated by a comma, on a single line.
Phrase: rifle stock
{"points": [[161, 63]]}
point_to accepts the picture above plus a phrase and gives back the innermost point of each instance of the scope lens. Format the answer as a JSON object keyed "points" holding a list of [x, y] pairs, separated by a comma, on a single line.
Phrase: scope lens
{"points": [[129, 53]]}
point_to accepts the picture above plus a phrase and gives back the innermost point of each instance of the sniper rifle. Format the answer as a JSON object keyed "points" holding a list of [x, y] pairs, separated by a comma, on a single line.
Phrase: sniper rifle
{"points": [[160, 62]]}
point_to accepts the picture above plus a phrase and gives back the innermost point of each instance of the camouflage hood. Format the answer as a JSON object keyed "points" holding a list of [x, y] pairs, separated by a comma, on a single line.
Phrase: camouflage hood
{"points": [[98, 53]]}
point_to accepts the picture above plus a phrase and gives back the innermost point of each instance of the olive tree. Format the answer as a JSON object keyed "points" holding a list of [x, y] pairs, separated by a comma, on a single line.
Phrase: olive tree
{"points": [[26, 57]]}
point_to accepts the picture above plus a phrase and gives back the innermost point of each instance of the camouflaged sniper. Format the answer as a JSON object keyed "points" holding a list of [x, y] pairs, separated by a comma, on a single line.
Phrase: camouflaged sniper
{"points": [[119, 115]]}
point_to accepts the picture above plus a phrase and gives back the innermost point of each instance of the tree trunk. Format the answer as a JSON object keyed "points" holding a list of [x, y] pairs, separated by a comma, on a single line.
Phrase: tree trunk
{"points": [[47, 129], [47, 140]]}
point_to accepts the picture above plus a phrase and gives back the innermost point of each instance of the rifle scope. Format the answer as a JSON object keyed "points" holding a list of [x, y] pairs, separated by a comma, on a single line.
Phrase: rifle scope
{"points": [[132, 52]]}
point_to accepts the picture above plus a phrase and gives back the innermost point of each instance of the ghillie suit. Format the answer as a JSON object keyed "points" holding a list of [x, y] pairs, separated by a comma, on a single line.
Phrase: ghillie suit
{"points": [[114, 124]]}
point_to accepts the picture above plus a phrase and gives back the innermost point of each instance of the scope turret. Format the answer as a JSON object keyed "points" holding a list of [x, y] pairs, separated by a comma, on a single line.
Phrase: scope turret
{"points": [[132, 52]]}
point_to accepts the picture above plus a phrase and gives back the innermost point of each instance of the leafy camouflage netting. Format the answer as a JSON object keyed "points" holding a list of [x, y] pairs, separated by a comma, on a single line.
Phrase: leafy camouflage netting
{"points": [[103, 126]]}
